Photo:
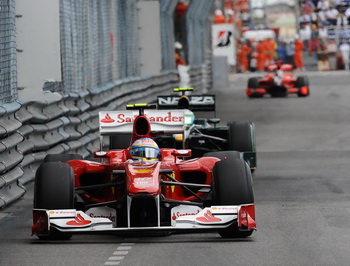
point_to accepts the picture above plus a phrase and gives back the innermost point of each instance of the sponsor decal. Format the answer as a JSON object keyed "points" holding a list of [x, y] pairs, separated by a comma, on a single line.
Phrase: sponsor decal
{"points": [[223, 38], [109, 216], [194, 100], [107, 119], [142, 180], [78, 221], [63, 212], [103, 212], [143, 170], [224, 208], [182, 212], [121, 118], [179, 214], [208, 217]]}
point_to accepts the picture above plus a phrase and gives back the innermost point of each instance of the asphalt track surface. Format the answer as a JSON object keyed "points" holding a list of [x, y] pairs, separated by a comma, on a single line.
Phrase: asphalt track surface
{"points": [[302, 194]]}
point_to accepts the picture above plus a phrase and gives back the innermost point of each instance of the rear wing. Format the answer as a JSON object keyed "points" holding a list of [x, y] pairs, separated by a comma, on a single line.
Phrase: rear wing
{"points": [[121, 122], [197, 102]]}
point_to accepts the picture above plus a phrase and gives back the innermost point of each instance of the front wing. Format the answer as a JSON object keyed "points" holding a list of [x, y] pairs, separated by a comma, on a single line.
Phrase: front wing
{"points": [[211, 218]]}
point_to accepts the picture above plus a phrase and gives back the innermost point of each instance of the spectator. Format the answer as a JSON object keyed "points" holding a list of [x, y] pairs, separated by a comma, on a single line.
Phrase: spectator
{"points": [[344, 49], [270, 50], [347, 13], [314, 18], [219, 17], [261, 58], [298, 54], [332, 15], [332, 54], [342, 20], [305, 33], [322, 33], [307, 6], [323, 17], [322, 58], [178, 57], [314, 43], [243, 56], [305, 18], [281, 52], [290, 53], [322, 5]]}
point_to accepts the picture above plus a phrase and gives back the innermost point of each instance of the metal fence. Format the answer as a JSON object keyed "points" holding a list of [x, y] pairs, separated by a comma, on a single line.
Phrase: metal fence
{"points": [[8, 90], [100, 70]]}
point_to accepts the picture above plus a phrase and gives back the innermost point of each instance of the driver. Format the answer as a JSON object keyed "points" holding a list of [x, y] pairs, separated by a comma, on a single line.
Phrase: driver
{"points": [[145, 149]]}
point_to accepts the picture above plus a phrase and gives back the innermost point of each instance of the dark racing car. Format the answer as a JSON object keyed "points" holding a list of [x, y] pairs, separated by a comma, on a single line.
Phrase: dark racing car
{"points": [[142, 188], [280, 82], [203, 135]]}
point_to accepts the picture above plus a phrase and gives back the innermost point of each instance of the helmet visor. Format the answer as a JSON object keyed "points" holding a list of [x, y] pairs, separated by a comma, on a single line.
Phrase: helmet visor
{"points": [[145, 152]]}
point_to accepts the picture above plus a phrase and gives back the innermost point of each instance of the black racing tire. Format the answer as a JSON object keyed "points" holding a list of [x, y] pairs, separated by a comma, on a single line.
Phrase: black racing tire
{"points": [[253, 83], [229, 155], [301, 82], [241, 136], [62, 157], [54, 190], [232, 185]]}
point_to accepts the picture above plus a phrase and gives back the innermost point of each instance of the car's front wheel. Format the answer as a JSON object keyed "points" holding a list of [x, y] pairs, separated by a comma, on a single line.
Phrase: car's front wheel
{"points": [[232, 185], [302, 84], [54, 190]]}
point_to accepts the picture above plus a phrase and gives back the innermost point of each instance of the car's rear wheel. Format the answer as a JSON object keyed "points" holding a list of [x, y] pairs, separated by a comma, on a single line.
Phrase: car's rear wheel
{"points": [[302, 84], [253, 84], [232, 185], [241, 136], [54, 190]]}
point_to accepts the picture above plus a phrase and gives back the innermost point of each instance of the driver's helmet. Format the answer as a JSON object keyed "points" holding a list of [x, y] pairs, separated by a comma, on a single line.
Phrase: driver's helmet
{"points": [[145, 149]]}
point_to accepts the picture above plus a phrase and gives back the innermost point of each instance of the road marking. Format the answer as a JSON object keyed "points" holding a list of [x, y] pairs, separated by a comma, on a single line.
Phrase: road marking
{"points": [[119, 254], [116, 258]]}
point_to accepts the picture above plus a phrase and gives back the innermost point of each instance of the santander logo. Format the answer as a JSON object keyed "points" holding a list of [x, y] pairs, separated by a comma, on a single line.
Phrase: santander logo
{"points": [[208, 217], [179, 214], [126, 118], [107, 119], [78, 221], [110, 216]]}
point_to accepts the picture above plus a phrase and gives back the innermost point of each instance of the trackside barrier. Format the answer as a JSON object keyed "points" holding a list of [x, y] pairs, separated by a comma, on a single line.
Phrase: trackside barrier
{"points": [[199, 43], [10, 157]]}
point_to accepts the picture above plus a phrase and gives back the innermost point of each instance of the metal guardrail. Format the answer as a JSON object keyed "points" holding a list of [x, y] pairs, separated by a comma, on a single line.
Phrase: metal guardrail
{"points": [[10, 156]]}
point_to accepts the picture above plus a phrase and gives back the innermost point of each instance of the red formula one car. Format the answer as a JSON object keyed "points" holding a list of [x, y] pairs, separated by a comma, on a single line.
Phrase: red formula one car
{"points": [[278, 83], [143, 188]]}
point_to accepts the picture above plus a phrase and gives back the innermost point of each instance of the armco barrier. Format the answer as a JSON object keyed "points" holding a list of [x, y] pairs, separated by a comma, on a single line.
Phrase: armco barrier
{"points": [[10, 157], [30, 131]]}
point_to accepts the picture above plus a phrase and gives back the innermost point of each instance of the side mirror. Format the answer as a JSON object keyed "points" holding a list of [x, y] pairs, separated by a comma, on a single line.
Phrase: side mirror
{"points": [[182, 153], [101, 154]]}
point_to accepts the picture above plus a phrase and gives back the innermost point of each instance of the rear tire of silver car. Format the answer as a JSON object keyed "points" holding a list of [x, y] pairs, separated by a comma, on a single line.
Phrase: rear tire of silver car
{"points": [[54, 190], [301, 82], [232, 185], [241, 136]]}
